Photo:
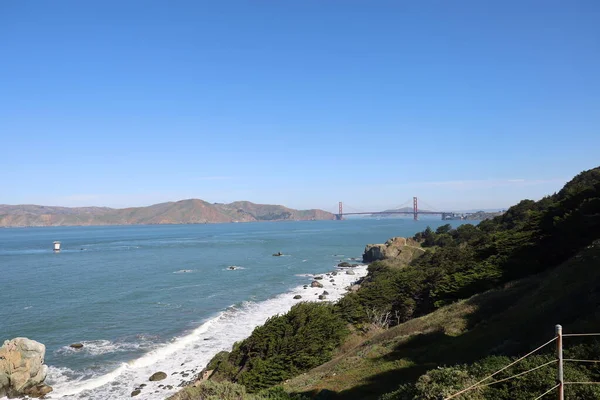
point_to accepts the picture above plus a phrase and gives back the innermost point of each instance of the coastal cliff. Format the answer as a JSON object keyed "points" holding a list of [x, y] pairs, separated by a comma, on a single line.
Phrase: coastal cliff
{"points": [[472, 301], [398, 248], [191, 211]]}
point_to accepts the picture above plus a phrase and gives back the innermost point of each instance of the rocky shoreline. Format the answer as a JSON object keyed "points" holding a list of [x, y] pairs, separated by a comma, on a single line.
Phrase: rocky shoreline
{"points": [[333, 284]]}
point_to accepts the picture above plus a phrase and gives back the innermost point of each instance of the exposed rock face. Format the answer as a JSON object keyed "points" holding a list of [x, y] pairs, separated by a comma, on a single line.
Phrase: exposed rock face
{"points": [[22, 369], [296, 297], [316, 284], [397, 248]]}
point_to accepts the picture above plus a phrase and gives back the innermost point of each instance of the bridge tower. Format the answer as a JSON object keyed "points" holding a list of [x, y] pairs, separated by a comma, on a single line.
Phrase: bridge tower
{"points": [[415, 209], [340, 215]]}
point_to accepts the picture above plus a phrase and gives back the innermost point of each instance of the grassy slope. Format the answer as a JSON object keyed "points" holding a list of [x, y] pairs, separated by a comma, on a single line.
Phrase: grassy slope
{"points": [[523, 315]]}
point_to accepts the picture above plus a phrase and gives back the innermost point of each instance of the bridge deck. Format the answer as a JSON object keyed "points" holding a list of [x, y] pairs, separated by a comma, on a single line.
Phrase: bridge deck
{"points": [[399, 212]]}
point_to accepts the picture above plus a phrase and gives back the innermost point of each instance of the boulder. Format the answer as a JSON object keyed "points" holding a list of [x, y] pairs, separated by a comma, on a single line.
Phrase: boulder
{"points": [[38, 391], [76, 345], [402, 249], [325, 293], [316, 284], [350, 272], [22, 369], [332, 280], [344, 264], [135, 392], [296, 297], [322, 297], [334, 273], [318, 277], [157, 376], [278, 254]]}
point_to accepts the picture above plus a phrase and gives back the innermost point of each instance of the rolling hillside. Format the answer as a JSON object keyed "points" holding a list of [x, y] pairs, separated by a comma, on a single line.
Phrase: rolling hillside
{"points": [[191, 211]]}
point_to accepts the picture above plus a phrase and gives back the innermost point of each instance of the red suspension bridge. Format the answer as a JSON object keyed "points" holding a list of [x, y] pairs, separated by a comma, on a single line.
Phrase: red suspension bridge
{"points": [[403, 209]]}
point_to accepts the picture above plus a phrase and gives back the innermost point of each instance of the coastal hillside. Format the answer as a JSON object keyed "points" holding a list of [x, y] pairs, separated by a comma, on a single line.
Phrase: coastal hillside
{"points": [[469, 302], [191, 211]]}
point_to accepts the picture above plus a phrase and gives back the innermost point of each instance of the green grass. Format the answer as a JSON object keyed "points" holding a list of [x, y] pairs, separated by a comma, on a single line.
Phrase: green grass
{"points": [[508, 321]]}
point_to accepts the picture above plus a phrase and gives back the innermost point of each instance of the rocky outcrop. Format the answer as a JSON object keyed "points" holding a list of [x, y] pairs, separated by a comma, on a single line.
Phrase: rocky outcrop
{"points": [[22, 369], [158, 376], [399, 248], [316, 284]]}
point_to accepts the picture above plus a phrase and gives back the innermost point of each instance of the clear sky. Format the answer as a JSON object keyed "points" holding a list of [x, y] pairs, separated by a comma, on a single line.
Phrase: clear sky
{"points": [[466, 104]]}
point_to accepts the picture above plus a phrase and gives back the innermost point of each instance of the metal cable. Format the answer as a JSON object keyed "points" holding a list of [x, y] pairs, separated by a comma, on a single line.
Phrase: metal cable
{"points": [[581, 334], [517, 375], [500, 370], [585, 361], [545, 393]]}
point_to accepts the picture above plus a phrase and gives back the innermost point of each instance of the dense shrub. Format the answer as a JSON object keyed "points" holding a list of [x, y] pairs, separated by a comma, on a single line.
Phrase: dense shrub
{"points": [[283, 347], [443, 382]]}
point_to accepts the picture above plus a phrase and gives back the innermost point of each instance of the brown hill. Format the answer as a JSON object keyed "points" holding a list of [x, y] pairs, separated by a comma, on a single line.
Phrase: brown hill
{"points": [[191, 211]]}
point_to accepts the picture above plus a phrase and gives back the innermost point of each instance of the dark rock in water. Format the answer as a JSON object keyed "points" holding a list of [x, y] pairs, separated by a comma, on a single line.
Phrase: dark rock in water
{"points": [[318, 277], [135, 392], [158, 376], [185, 375], [353, 265], [76, 345], [353, 258], [278, 254], [322, 297], [325, 293], [296, 297], [334, 273], [143, 385], [332, 280], [350, 272], [344, 265], [316, 284]]}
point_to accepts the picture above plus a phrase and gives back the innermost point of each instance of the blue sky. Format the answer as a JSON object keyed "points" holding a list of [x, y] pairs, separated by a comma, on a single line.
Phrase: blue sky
{"points": [[466, 104]]}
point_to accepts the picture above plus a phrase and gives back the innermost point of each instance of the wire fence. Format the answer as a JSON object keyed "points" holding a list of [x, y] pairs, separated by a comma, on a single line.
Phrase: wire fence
{"points": [[558, 361]]}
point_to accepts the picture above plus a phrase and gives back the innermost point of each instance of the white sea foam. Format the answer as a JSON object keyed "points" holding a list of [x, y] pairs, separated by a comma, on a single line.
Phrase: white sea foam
{"points": [[184, 271], [187, 354], [98, 347]]}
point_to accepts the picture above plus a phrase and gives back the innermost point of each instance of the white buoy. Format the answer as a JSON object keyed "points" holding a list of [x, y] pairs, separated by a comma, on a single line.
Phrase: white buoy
{"points": [[57, 247]]}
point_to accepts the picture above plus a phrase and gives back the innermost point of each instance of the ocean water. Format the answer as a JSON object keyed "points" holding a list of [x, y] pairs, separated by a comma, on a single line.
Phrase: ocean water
{"points": [[144, 299]]}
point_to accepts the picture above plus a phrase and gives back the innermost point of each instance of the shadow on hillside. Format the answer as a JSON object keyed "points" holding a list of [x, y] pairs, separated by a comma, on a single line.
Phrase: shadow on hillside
{"points": [[523, 316]]}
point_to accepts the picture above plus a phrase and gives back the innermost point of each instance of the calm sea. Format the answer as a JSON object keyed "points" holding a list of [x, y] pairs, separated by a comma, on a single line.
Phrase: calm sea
{"points": [[143, 299]]}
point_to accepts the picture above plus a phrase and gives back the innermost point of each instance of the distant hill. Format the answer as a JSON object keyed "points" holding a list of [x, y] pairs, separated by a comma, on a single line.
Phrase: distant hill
{"points": [[191, 211]]}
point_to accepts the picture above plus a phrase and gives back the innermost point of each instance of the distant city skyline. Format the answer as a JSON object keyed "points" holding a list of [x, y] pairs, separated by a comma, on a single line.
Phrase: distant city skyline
{"points": [[468, 105]]}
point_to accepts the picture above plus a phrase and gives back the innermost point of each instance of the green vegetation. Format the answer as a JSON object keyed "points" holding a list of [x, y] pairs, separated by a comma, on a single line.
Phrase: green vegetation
{"points": [[478, 297], [231, 391], [283, 347]]}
